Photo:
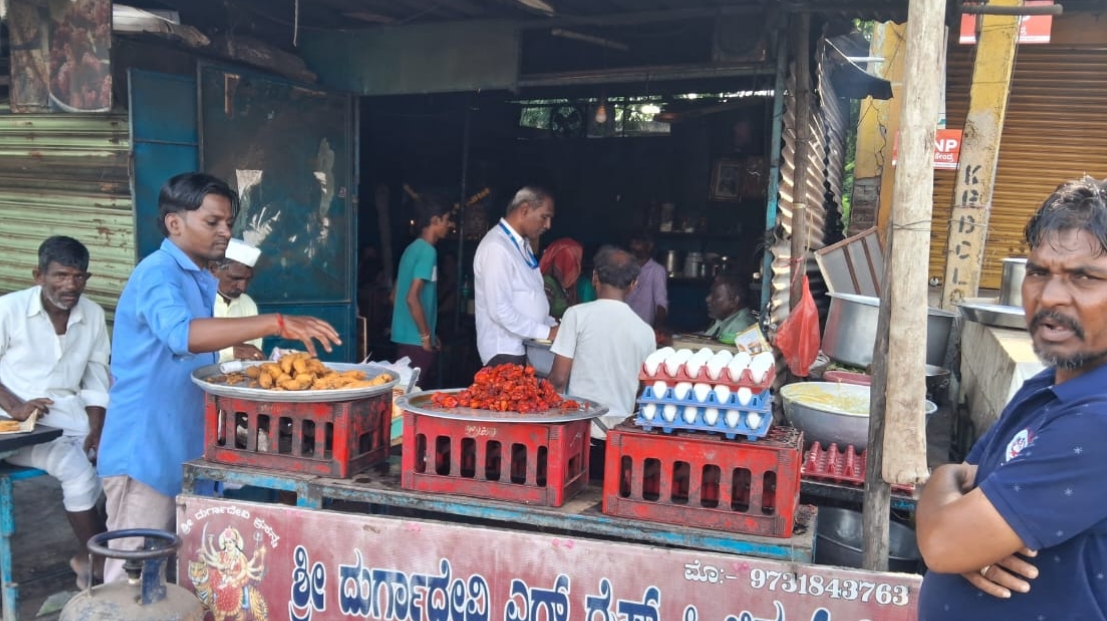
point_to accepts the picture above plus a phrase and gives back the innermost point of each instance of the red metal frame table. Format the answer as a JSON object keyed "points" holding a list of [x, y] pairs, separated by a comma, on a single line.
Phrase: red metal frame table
{"points": [[581, 515]]}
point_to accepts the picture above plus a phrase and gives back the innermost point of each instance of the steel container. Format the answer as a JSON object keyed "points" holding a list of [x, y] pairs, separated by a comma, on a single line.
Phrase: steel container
{"points": [[839, 539], [831, 413], [539, 356], [850, 333], [1010, 281]]}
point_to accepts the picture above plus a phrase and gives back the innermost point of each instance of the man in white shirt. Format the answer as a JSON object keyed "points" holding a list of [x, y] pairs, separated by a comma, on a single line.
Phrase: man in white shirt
{"points": [[54, 351], [511, 302], [235, 273], [600, 348]]}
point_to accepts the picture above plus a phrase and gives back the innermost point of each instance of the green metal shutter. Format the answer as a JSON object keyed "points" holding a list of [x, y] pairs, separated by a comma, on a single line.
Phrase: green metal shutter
{"points": [[66, 174]]}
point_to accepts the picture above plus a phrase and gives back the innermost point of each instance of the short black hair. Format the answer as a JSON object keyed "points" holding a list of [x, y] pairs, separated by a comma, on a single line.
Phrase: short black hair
{"points": [[186, 192], [640, 234], [1079, 204], [733, 283], [616, 267], [529, 195], [63, 251], [430, 205]]}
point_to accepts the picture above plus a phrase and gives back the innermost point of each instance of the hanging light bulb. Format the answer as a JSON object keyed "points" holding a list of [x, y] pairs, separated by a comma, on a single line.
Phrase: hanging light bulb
{"points": [[601, 113]]}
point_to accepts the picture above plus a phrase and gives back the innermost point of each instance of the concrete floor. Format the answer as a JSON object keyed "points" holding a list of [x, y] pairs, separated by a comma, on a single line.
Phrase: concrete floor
{"points": [[41, 546]]}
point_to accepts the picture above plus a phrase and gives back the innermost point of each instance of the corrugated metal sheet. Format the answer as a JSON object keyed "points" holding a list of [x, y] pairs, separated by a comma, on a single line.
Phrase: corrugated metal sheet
{"points": [[66, 174], [1054, 131], [825, 162]]}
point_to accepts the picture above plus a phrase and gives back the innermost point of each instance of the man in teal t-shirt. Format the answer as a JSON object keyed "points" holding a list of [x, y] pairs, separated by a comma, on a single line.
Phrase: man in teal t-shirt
{"points": [[415, 307]]}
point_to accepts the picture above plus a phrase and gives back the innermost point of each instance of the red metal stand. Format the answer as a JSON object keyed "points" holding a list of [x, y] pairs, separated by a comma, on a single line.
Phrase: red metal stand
{"points": [[699, 480], [530, 463], [333, 439]]}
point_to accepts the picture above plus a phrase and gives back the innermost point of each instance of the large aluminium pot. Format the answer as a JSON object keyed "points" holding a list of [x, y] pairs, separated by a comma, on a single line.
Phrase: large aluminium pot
{"points": [[832, 413], [1010, 281], [850, 332]]}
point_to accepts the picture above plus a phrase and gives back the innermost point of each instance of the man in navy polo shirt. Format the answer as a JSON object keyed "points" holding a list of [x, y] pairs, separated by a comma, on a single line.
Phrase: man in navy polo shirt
{"points": [[1019, 531]]}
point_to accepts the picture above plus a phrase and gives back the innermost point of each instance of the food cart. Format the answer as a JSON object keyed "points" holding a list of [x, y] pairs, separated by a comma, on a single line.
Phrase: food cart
{"points": [[438, 533]]}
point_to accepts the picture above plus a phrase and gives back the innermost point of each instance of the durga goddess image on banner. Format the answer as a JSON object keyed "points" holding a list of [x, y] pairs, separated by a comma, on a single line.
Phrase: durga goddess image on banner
{"points": [[226, 580]]}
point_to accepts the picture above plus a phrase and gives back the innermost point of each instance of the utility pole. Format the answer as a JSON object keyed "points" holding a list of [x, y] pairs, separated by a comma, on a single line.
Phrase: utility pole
{"points": [[898, 388], [801, 33], [993, 66]]}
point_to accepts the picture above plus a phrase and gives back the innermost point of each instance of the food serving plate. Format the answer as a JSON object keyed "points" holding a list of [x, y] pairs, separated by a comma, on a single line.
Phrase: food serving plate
{"points": [[420, 403], [207, 379], [995, 315], [25, 426]]}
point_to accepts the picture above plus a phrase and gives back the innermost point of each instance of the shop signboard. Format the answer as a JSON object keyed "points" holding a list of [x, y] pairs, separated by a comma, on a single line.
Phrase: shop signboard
{"points": [[260, 561], [947, 149], [1032, 28]]}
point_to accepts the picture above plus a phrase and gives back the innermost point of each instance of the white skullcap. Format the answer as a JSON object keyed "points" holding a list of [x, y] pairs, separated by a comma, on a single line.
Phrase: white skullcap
{"points": [[240, 251]]}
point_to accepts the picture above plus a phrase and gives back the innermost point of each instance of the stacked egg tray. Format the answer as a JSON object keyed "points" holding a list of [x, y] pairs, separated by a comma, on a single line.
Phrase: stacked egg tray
{"points": [[843, 466], [728, 416]]}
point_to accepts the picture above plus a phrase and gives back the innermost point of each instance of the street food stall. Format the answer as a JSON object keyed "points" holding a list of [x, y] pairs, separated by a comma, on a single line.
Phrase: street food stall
{"points": [[487, 509]]}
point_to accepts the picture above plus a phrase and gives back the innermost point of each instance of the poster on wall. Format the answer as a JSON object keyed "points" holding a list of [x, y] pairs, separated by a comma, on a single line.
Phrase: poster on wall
{"points": [[60, 55], [258, 562]]}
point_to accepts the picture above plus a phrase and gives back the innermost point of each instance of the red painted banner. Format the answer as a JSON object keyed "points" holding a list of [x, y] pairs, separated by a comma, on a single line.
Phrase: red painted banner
{"points": [[258, 562], [1032, 28], [947, 149]]}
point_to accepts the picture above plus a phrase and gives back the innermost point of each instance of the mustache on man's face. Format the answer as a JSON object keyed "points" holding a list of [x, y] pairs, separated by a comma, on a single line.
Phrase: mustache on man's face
{"points": [[1059, 319]]}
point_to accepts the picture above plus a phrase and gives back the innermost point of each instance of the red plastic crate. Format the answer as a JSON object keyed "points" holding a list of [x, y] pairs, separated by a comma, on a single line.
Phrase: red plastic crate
{"points": [[530, 463], [705, 481], [337, 439], [840, 466]]}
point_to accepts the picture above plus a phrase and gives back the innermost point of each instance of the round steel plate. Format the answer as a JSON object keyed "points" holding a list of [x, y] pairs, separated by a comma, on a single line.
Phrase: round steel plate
{"points": [[420, 403], [200, 378]]}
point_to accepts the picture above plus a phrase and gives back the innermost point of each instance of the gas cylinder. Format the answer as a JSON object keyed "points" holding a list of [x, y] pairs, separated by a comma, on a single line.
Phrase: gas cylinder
{"points": [[144, 596]]}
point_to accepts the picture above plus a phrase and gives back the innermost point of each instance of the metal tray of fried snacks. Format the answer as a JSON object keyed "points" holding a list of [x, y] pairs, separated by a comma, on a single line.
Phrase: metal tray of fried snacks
{"points": [[420, 403], [229, 380]]}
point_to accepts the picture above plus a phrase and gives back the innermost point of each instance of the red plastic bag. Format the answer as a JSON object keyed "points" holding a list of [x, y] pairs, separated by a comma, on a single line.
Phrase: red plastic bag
{"points": [[798, 337]]}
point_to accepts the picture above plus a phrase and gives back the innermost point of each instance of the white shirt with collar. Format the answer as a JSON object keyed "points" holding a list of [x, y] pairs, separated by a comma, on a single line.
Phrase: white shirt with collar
{"points": [[70, 369], [511, 302], [242, 306]]}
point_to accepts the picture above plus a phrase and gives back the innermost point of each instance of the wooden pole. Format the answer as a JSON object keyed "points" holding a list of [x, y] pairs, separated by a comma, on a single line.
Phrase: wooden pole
{"points": [[993, 66], [801, 33], [899, 390]]}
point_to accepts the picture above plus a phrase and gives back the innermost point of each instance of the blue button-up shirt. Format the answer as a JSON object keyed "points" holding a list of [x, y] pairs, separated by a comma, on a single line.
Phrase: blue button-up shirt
{"points": [[156, 418]]}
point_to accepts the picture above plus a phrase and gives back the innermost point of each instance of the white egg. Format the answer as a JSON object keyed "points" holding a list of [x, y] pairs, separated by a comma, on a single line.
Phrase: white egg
{"points": [[722, 393], [649, 411], [700, 391], [744, 396], [694, 367], [676, 360], [737, 366], [711, 416], [753, 420], [717, 363], [689, 415], [681, 390], [732, 418], [760, 365], [659, 389], [669, 412], [654, 360]]}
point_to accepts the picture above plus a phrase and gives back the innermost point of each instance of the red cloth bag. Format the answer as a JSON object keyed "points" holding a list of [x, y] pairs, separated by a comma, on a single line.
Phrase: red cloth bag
{"points": [[798, 337]]}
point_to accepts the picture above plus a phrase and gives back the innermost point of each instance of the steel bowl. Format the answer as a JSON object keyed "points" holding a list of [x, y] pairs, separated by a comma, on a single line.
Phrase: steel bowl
{"points": [[839, 539], [995, 315], [850, 333], [831, 413], [539, 356]]}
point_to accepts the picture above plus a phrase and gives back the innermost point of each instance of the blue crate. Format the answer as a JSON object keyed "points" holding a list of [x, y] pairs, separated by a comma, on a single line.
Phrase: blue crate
{"points": [[691, 414]]}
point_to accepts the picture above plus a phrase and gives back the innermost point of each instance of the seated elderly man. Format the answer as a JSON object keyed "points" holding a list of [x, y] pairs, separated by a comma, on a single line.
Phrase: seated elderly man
{"points": [[54, 352], [726, 305], [234, 274]]}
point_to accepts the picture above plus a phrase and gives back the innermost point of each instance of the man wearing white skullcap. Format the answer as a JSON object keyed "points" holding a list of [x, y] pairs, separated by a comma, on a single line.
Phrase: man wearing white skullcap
{"points": [[234, 273]]}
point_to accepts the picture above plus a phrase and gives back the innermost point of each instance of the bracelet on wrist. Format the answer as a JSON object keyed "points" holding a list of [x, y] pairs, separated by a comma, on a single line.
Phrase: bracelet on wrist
{"points": [[280, 325], [425, 337]]}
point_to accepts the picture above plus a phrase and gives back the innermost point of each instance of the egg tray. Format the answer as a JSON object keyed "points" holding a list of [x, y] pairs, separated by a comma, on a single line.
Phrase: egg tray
{"points": [[760, 404], [843, 466], [745, 380]]}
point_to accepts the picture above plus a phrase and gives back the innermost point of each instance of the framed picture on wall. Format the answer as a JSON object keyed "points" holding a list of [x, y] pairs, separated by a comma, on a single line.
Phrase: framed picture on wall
{"points": [[726, 180]]}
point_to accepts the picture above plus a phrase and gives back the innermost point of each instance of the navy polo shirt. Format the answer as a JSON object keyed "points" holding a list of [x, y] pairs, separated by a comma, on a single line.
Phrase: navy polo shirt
{"points": [[1043, 465]]}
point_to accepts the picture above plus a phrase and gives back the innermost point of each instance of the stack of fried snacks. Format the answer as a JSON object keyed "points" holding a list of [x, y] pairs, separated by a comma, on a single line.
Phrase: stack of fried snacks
{"points": [[300, 371]]}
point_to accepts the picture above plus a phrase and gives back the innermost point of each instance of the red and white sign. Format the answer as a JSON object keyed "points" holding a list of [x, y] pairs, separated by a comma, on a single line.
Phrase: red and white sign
{"points": [[1032, 28], [947, 149], [258, 562]]}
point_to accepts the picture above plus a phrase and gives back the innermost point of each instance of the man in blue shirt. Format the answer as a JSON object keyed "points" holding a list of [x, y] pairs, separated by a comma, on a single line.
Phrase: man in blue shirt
{"points": [[415, 306], [163, 331], [1019, 531]]}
